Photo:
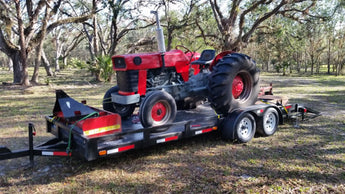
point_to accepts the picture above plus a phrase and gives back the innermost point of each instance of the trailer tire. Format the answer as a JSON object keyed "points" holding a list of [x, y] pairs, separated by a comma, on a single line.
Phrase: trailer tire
{"points": [[123, 110], [158, 108], [233, 83], [239, 128], [267, 125]]}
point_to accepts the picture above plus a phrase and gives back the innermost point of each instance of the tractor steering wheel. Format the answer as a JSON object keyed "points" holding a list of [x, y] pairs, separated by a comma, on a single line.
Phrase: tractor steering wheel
{"points": [[185, 48]]}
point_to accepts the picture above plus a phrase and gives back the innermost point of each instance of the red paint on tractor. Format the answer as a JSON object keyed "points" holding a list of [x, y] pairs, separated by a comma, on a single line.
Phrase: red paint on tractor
{"points": [[142, 82], [158, 111], [125, 93], [237, 86], [219, 56]]}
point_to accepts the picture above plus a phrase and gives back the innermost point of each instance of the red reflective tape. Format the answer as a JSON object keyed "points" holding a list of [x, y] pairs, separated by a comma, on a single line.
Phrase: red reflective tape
{"points": [[288, 107], [171, 138], [207, 130], [126, 93], [121, 149], [61, 154]]}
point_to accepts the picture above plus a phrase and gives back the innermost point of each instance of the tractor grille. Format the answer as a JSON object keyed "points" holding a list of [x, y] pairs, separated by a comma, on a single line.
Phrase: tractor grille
{"points": [[119, 62], [127, 80]]}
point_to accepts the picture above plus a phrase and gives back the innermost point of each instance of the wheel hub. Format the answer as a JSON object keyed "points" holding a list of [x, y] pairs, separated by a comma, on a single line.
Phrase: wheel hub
{"points": [[245, 128], [270, 122], [158, 111], [237, 86]]}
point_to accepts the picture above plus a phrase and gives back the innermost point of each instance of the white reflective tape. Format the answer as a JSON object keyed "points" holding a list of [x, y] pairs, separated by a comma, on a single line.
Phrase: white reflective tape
{"points": [[47, 153], [161, 140], [198, 132], [113, 151]]}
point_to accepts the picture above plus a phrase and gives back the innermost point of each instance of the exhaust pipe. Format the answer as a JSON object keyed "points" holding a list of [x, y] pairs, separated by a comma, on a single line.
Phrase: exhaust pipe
{"points": [[160, 39], [160, 35]]}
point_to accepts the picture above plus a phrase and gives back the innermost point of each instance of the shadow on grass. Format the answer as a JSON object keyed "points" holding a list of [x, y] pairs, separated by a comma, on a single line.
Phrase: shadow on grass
{"points": [[203, 164]]}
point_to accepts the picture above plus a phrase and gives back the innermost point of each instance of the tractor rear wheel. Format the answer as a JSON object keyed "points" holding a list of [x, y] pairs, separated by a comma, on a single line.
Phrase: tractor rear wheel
{"points": [[233, 83], [123, 110], [158, 108]]}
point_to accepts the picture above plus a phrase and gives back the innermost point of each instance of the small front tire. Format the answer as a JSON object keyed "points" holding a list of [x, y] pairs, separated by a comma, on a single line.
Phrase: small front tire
{"points": [[158, 108]]}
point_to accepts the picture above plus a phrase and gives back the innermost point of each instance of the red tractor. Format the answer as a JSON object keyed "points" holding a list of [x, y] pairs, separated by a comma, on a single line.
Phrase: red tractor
{"points": [[162, 82]]}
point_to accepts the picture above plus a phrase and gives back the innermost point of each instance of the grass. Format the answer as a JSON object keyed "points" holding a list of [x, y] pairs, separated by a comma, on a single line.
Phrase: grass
{"points": [[308, 159]]}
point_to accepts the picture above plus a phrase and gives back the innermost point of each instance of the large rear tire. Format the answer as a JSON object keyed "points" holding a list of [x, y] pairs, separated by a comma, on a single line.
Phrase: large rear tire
{"points": [[158, 108], [233, 83], [123, 110]]}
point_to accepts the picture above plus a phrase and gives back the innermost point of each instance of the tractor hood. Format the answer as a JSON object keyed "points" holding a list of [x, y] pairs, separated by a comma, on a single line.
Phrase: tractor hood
{"points": [[173, 58]]}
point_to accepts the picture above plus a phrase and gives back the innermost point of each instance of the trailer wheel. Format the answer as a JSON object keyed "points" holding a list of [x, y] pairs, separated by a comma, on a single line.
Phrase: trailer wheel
{"points": [[123, 110], [268, 123], [158, 108], [240, 128], [233, 83]]}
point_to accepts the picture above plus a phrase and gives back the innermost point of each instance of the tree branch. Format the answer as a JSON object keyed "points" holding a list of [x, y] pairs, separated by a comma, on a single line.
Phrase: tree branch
{"points": [[247, 35], [217, 14]]}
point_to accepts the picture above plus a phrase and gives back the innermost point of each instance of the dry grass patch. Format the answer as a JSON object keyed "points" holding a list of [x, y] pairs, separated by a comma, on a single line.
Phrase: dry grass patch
{"points": [[309, 159]]}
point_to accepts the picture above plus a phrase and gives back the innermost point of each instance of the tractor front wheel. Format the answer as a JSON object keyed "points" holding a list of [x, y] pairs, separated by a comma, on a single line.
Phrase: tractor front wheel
{"points": [[123, 110], [158, 108]]}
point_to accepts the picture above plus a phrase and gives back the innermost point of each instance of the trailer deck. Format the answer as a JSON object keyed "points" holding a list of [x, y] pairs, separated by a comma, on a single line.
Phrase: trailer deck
{"points": [[73, 138]]}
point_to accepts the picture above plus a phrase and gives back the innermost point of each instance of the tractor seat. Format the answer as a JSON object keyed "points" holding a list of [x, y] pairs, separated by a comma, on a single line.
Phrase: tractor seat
{"points": [[206, 57]]}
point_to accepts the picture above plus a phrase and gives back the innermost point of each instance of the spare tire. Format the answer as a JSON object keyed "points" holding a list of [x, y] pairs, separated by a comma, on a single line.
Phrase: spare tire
{"points": [[233, 83]]}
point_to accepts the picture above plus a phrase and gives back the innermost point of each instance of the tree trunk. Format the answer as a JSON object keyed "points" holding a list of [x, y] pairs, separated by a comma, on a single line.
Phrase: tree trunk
{"points": [[10, 64], [89, 38], [17, 67], [329, 57], [23, 50], [268, 64], [95, 35], [169, 39], [58, 51], [298, 60], [34, 77], [46, 64], [312, 64], [65, 61]]}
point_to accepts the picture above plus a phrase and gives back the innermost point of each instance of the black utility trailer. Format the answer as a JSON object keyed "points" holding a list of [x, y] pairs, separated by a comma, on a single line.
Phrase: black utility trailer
{"points": [[73, 136]]}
